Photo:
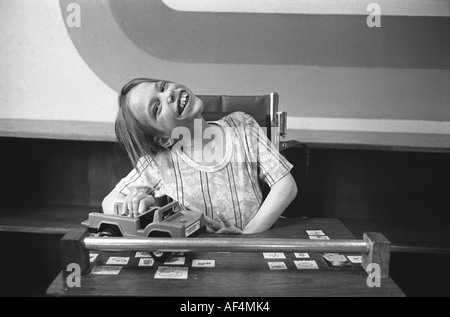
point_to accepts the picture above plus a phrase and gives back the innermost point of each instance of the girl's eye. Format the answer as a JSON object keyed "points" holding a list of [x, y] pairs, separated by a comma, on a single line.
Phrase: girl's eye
{"points": [[163, 86], [156, 108]]}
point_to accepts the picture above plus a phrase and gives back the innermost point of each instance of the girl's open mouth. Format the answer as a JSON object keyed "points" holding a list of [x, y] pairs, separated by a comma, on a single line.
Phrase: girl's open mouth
{"points": [[184, 100]]}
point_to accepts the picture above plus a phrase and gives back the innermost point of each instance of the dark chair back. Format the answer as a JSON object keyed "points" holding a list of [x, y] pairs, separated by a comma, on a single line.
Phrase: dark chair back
{"points": [[262, 108]]}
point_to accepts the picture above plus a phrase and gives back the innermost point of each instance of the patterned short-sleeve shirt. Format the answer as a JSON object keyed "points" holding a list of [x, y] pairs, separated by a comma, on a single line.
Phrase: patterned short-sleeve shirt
{"points": [[231, 187]]}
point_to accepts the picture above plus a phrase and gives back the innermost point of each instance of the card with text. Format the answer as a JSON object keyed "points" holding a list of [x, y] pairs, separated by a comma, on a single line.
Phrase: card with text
{"points": [[335, 260], [306, 265], [171, 272], [277, 266], [106, 270], [315, 232], [274, 255], [92, 257], [355, 258], [146, 262], [141, 254], [117, 260], [203, 263]]}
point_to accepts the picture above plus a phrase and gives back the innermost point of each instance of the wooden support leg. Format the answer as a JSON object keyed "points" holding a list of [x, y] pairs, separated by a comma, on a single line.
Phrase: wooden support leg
{"points": [[73, 250], [379, 252]]}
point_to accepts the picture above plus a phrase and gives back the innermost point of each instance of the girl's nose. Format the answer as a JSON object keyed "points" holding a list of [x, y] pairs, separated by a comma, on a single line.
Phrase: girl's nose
{"points": [[171, 97]]}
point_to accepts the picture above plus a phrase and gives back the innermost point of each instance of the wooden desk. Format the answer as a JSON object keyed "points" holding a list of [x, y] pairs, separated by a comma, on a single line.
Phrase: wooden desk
{"points": [[237, 274]]}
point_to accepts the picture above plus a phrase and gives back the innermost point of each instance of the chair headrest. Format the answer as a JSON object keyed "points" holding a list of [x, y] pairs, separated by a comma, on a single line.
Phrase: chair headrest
{"points": [[217, 107], [262, 119]]}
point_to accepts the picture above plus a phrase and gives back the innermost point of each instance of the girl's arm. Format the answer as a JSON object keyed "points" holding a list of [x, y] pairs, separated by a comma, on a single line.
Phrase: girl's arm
{"points": [[109, 201], [280, 196]]}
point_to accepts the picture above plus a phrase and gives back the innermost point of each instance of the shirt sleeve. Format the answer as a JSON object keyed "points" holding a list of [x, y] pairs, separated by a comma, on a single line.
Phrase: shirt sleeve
{"points": [[272, 165], [145, 178]]}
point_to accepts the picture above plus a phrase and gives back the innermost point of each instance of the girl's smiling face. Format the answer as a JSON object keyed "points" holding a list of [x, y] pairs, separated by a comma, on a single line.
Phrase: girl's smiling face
{"points": [[165, 106]]}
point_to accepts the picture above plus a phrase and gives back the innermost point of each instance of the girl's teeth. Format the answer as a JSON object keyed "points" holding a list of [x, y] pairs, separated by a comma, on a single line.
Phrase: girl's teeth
{"points": [[183, 99]]}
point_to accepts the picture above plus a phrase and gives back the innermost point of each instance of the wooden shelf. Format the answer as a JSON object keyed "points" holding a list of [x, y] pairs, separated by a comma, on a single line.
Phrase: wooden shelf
{"points": [[104, 131], [43, 219], [372, 140], [411, 236], [61, 130]]}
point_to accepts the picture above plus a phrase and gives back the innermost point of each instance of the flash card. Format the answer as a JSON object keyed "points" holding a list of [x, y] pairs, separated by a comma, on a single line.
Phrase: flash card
{"points": [[92, 257], [203, 263], [273, 255], [334, 260], [117, 260], [334, 257], [178, 260], [277, 266], [146, 262], [319, 237], [306, 265], [315, 233], [355, 258], [171, 272], [106, 270], [301, 255], [141, 254]]}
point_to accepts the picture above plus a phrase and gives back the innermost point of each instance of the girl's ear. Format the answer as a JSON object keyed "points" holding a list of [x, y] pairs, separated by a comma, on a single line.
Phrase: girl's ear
{"points": [[164, 141]]}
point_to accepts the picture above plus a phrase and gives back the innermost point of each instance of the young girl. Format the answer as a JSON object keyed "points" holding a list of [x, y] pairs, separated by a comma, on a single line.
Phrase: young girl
{"points": [[216, 176]]}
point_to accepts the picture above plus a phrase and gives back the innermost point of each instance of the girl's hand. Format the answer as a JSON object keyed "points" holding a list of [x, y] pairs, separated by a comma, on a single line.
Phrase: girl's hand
{"points": [[224, 227], [136, 203]]}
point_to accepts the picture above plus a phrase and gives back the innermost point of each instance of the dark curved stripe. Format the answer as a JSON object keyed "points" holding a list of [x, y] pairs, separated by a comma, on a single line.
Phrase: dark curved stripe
{"points": [[251, 38], [284, 39]]}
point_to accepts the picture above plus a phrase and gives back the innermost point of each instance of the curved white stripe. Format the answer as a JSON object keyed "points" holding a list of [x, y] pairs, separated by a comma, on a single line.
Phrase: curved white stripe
{"points": [[369, 125], [43, 75], [344, 7]]}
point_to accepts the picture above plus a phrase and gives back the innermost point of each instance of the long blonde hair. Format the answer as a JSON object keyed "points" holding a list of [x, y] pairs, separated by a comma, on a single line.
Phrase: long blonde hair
{"points": [[134, 137]]}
